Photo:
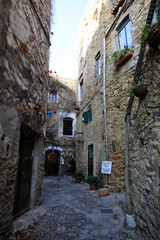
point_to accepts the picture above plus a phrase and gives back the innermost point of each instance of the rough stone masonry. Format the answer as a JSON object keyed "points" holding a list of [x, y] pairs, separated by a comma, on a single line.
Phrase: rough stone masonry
{"points": [[24, 45]]}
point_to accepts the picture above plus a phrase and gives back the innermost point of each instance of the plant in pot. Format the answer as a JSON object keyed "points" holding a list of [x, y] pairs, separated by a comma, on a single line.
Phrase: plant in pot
{"points": [[120, 57], [78, 176], [151, 33], [138, 89], [93, 181]]}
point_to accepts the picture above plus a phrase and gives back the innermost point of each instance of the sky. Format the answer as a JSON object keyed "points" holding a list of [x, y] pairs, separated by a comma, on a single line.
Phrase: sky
{"points": [[68, 15]]}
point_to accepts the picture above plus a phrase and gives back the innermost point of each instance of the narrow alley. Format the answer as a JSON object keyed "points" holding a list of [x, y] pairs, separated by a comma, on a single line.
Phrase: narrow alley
{"points": [[71, 211]]}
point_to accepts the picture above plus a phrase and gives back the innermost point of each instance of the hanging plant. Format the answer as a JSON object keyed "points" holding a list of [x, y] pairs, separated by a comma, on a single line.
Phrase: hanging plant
{"points": [[138, 89], [154, 36], [150, 33]]}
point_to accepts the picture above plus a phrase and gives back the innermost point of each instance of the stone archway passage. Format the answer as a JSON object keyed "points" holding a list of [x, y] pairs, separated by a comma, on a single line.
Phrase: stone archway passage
{"points": [[52, 161]]}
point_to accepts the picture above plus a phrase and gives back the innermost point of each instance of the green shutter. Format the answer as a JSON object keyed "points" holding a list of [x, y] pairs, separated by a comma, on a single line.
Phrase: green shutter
{"points": [[85, 117], [89, 114]]}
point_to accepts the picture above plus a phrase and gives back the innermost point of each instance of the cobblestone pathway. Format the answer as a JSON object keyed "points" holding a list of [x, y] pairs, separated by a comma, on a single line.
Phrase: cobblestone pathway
{"points": [[71, 211]]}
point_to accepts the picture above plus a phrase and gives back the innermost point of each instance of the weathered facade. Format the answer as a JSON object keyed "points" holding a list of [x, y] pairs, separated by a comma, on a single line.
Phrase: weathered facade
{"points": [[61, 126], [24, 48], [109, 27], [144, 152], [90, 129], [105, 30], [144, 148]]}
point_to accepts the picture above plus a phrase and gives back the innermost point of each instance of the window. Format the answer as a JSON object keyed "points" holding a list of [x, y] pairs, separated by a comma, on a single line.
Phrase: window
{"points": [[124, 36], [156, 12], [68, 126], [53, 97], [97, 65], [81, 90], [87, 116]]}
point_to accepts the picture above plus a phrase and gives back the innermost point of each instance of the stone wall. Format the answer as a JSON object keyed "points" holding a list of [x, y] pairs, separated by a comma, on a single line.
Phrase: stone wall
{"points": [[118, 82], [145, 150], [91, 40], [24, 45], [64, 106]]}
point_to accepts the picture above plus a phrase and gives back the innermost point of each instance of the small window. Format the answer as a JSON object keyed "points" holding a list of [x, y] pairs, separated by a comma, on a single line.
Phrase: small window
{"points": [[68, 126], [97, 65], [87, 116], [81, 90], [124, 36], [53, 97]]}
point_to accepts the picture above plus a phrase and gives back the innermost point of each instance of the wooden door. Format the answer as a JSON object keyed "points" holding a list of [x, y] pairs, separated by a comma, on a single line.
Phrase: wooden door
{"points": [[90, 160], [24, 176]]}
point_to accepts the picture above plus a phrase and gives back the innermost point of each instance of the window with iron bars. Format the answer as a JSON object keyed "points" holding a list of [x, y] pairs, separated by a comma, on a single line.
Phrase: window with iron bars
{"points": [[68, 126]]}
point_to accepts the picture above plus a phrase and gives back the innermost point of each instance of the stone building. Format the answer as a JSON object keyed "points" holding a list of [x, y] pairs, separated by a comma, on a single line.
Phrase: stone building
{"points": [[109, 29], [144, 144], [61, 126], [90, 119], [109, 46], [24, 50]]}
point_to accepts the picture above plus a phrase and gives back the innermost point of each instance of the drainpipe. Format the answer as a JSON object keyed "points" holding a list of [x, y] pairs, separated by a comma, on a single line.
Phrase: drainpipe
{"points": [[105, 106]]}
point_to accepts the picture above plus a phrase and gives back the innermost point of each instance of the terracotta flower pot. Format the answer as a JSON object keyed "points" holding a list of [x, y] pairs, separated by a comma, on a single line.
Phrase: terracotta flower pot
{"points": [[93, 186], [77, 180], [124, 58], [140, 91], [154, 36]]}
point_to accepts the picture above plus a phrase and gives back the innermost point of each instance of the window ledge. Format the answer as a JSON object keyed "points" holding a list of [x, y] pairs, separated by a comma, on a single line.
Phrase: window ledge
{"points": [[68, 136], [124, 58]]}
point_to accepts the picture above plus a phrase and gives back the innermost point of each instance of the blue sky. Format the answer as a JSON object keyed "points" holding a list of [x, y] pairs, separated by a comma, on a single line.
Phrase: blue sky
{"points": [[68, 15]]}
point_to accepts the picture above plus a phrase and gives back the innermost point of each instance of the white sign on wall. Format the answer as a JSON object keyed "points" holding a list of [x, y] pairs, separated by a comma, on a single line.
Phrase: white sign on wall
{"points": [[106, 167]]}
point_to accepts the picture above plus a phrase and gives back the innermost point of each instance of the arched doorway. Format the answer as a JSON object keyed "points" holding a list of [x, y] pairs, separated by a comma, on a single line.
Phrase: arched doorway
{"points": [[52, 162]]}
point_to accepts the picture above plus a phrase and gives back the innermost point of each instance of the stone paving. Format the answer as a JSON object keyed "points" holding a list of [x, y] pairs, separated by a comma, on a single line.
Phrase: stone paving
{"points": [[70, 211]]}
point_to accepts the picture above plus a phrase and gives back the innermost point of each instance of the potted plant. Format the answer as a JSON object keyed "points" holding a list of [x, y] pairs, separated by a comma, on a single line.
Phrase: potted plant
{"points": [[154, 36], [120, 57], [138, 89], [93, 181], [151, 33], [78, 176]]}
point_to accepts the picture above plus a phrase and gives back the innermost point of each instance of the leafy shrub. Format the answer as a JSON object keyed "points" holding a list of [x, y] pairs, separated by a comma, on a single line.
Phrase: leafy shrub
{"points": [[93, 180], [78, 175]]}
